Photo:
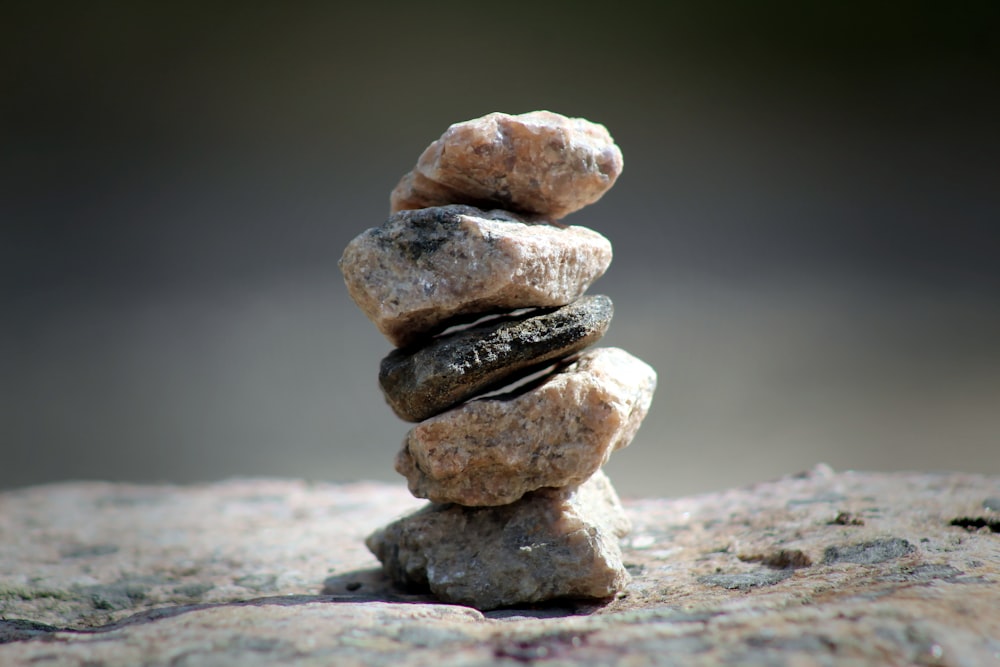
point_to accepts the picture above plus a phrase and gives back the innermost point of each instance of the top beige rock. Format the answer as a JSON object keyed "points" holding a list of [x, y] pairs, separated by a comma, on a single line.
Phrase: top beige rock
{"points": [[540, 163]]}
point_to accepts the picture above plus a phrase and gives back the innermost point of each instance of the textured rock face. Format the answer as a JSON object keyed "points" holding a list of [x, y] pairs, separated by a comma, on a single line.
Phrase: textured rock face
{"points": [[538, 163], [274, 572], [553, 543], [421, 383], [492, 451], [421, 269]]}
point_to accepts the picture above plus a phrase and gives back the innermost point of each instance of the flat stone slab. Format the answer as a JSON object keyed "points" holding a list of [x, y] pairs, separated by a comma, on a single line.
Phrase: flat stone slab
{"points": [[539, 163], [818, 568], [422, 269], [555, 433], [453, 368], [549, 544]]}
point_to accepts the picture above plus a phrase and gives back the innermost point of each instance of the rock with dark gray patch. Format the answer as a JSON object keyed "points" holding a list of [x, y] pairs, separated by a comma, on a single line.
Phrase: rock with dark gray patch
{"points": [[423, 269], [746, 580], [552, 543], [926, 572], [868, 553], [126, 593], [452, 368]]}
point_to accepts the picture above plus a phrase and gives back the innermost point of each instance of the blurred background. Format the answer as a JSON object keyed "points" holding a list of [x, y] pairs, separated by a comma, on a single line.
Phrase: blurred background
{"points": [[806, 230]]}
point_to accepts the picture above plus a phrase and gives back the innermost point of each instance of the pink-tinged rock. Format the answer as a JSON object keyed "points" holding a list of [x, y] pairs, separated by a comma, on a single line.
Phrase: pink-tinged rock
{"points": [[540, 163], [493, 451], [554, 543], [422, 269]]}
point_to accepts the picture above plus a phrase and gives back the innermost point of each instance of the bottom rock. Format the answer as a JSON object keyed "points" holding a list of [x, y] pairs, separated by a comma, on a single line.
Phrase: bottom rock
{"points": [[551, 543]]}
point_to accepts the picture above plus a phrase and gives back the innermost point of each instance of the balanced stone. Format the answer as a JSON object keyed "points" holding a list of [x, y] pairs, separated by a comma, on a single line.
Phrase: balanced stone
{"points": [[540, 163], [455, 367], [552, 543], [422, 269], [494, 450]]}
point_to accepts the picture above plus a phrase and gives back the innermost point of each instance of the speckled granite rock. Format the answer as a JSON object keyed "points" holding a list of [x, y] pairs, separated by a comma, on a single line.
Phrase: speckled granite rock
{"points": [[549, 544], [422, 269], [558, 433], [818, 568], [452, 368], [541, 163]]}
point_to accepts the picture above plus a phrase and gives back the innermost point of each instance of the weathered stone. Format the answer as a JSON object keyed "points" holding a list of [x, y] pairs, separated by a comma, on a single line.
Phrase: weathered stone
{"points": [[422, 269], [539, 163], [494, 450], [450, 369], [745, 580], [551, 544], [867, 553], [330, 602]]}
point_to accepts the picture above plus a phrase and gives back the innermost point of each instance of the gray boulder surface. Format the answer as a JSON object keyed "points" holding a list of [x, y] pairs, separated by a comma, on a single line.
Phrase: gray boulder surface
{"points": [[817, 568]]}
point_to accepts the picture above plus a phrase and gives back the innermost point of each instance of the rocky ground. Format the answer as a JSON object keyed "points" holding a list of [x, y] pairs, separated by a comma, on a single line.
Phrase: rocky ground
{"points": [[818, 568]]}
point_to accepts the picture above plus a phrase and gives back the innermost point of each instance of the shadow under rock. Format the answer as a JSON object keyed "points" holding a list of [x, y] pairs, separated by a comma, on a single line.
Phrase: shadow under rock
{"points": [[373, 585]]}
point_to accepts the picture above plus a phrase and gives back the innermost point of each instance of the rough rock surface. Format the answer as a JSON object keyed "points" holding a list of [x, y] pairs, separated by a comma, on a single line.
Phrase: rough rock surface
{"points": [[421, 269], [452, 368], [539, 163], [556, 433], [814, 569], [551, 543]]}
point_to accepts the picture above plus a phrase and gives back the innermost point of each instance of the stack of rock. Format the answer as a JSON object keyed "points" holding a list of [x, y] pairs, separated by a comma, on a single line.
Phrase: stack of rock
{"points": [[481, 290]]}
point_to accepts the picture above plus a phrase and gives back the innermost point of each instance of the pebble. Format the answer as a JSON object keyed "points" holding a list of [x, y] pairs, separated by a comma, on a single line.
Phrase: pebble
{"points": [[559, 433], [550, 544], [452, 368], [539, 163], [423, 269]]}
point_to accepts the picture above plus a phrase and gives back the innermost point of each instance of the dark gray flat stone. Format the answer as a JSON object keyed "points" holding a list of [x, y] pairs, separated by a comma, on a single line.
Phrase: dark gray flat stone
{"points": [[453, 368]]}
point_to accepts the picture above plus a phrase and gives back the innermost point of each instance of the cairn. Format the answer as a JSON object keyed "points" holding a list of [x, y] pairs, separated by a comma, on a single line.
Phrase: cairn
{"points": [[481, 291]]}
